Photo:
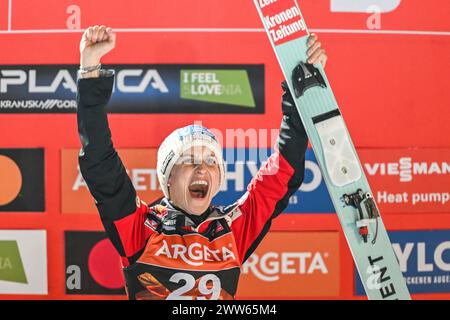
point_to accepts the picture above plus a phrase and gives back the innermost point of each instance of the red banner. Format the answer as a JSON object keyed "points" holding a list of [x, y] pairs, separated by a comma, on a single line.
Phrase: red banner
{"points": [[409, 180], [141, 167], [292, 265]]}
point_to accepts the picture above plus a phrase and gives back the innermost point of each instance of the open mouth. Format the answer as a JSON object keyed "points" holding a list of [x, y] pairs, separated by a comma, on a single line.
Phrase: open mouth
{"points": [[198, 189]]}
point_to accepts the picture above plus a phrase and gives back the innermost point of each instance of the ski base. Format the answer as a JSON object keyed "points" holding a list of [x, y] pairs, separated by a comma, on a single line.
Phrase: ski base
{"points": [[344, 177]]}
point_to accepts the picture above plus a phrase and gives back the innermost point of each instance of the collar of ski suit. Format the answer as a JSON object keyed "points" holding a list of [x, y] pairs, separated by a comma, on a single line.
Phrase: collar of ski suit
{"points": [[171, 217]]}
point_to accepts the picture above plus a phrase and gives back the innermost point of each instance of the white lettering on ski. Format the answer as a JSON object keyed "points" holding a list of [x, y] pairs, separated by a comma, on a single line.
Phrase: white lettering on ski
{"points": [[265, 3]]}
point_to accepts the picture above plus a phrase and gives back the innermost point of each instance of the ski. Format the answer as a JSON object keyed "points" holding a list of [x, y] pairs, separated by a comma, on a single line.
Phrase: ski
{"points": [[346, 182]]}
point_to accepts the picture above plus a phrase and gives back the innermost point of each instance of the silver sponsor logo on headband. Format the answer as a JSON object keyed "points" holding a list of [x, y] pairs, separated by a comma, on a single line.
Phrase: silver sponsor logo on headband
{"points": [[166, 162], [196, 131]]}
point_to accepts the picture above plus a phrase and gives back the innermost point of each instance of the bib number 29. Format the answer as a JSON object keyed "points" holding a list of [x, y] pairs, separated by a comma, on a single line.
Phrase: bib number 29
{"points": [[208, 284]]}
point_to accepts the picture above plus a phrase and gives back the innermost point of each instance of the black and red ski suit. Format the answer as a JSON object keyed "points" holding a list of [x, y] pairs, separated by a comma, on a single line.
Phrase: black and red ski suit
{"points": [[167, 254]]}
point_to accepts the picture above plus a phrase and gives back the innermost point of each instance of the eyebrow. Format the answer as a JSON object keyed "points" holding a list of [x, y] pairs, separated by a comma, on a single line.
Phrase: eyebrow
{"points": [[191, 155]]}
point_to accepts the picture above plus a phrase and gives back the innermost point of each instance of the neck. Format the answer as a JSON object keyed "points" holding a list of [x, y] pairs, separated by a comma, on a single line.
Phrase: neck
{"points": [[196, 218]]}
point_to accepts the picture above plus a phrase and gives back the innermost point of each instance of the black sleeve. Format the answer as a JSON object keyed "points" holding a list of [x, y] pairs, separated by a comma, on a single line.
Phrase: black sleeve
{"points": [[99, 162], [292, 141]]}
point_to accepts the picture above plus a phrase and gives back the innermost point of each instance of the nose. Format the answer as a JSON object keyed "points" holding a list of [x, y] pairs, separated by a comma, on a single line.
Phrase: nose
{"points": [[201, 168]]}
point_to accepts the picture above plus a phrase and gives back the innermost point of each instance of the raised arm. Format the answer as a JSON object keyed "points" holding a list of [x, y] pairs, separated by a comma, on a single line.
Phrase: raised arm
{"points": [[121, 212], [269, 192]]}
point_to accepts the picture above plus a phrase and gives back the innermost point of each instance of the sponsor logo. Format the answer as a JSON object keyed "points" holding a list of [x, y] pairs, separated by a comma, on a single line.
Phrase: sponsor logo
{"points": [[424, 259], [420, 249], [195, 130], [28, 77], [34, 105], [272, 264], [305, 265], [425, 192], [363, 5], [312, 196], [414, 183], [414, 198], [283, 19], [220, 86], [192, 252], [405, 180], [195, 254], [406, 168], [167, 161], [376, 15], [22, 177], [141, 168], [138, 89], [23, 262], [92, 264], [65, 80], [252, 166], [151, 79]]}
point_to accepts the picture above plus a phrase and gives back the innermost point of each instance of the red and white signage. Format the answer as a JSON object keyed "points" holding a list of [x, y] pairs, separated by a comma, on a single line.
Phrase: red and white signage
{"points": [[409, 180], [283, 19], [292, 265], [141, 167]]}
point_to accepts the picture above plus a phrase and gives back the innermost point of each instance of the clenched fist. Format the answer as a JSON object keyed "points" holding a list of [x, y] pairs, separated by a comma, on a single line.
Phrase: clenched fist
{"points": [[95, 43]]}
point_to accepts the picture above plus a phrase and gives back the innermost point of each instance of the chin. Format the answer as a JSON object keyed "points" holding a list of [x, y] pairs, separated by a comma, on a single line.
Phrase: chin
{"points": [[197, 207]]}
